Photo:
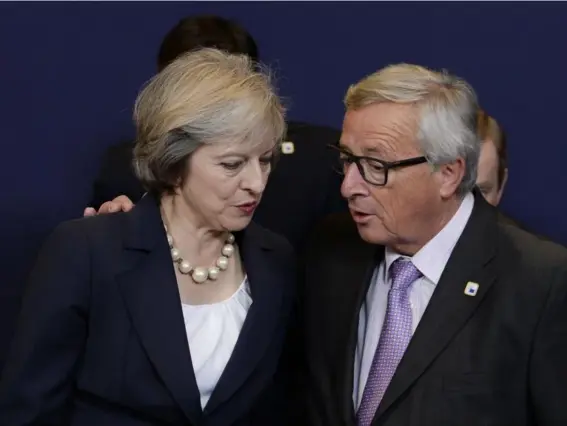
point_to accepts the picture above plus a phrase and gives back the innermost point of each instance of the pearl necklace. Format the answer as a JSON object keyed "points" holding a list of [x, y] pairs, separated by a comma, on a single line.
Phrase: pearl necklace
{"points": [[201, 274]]}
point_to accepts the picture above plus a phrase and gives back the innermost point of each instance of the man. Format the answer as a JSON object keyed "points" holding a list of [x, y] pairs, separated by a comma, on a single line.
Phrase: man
{"points": [[493, 165], [422, 308], [302, 188], [493, 161]]}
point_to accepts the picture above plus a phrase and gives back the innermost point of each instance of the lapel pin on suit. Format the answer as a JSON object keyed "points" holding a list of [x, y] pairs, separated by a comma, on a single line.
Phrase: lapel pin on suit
{"points": [[471, 289], [288, 147]]}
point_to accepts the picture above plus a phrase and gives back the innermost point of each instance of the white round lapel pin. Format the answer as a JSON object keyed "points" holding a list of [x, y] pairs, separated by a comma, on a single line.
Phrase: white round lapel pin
{"points": [[288, 147]]}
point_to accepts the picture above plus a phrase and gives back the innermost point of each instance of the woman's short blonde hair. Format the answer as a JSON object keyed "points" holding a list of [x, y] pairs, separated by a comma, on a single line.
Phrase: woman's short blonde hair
{"points": [[204, 97]]}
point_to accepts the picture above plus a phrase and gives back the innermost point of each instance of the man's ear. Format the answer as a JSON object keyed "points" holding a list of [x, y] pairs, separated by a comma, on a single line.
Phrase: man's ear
{"points": [[451, 175]]}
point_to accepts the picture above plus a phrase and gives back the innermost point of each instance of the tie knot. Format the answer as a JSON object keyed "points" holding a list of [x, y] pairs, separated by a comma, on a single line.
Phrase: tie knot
{"points": [[403, 273]]}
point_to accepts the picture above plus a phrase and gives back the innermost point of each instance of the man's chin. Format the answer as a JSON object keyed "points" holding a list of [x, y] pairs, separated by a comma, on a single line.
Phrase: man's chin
{"points": [[373, 233]]}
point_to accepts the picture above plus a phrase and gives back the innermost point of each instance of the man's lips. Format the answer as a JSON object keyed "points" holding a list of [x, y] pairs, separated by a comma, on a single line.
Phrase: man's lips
{"points": [[360, 216]]}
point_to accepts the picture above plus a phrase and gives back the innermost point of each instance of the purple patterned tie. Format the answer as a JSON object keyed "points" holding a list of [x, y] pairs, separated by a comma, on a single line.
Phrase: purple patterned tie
{"points": [[394, 339]]}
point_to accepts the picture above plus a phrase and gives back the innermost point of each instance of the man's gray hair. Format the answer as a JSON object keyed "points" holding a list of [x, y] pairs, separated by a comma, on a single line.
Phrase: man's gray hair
{"points": [[447, 106]]}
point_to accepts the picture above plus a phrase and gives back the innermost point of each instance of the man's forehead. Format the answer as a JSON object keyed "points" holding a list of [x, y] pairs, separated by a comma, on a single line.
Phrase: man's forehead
{"points": [[384, 135], [367, 143]]}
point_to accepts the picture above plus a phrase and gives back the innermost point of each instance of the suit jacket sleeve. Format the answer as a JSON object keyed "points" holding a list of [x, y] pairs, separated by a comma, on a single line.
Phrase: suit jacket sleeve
{"points": [[314, 393], [40, 370], [116, 177], [548, 366], [335, 203]]}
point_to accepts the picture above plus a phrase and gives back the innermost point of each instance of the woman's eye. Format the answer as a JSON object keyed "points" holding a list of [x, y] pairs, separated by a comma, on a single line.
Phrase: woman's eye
{"points": [[232, 166], [266, 161]]}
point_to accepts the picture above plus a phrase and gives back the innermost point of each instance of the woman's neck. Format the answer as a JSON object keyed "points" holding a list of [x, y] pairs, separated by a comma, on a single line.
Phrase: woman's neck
{"points": [[196, 241]]}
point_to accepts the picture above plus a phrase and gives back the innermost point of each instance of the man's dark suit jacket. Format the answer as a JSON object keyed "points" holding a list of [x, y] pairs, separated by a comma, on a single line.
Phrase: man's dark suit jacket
{"points": [[496, 359], [101, 339], [302, 188]]}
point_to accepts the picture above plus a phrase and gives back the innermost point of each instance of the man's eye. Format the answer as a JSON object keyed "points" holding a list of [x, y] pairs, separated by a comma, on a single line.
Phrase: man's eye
{"points": [[377, 167], [266, 160]]}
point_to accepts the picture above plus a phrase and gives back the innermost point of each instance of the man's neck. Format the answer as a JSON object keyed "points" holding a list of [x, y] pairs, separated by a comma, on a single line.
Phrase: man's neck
{"points": [[439, 220]]}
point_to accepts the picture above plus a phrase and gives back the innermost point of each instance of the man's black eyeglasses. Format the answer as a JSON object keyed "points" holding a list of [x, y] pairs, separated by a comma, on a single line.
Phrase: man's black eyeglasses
{"points": [[372, 170]]}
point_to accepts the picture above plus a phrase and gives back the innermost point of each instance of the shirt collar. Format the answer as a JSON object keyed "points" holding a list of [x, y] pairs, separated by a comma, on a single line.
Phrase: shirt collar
{"points": [[432, 258]]}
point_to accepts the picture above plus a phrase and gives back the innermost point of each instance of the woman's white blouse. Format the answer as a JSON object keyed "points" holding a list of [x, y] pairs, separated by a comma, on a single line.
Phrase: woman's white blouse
{"points": [[212, 332]]}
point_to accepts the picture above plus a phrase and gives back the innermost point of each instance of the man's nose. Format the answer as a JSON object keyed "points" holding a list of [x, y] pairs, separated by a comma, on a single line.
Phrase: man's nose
{"points": [[353, 183]]}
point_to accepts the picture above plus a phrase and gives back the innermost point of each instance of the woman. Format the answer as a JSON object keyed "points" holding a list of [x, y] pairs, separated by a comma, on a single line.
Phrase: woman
{"points": [[173, 313]]}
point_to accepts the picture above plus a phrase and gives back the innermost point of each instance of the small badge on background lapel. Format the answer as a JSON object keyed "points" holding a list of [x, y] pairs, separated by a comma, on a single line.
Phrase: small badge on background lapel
{"points": [[471, 289], [288, 148]]}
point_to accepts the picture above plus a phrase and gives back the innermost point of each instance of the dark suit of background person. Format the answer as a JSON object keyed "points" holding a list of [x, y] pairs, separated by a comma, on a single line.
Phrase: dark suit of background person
{"points": [[93, 312], [498, 358], [302, 187]]}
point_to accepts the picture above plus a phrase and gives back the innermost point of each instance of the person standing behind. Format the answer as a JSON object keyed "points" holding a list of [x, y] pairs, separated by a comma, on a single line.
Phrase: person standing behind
{"points": [[423, 307], [302, 188], [493, 165], [493, 162]]}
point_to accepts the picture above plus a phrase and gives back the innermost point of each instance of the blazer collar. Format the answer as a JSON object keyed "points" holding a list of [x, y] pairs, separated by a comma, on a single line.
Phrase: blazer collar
{"points": [[472, 260], [149, 289]]}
